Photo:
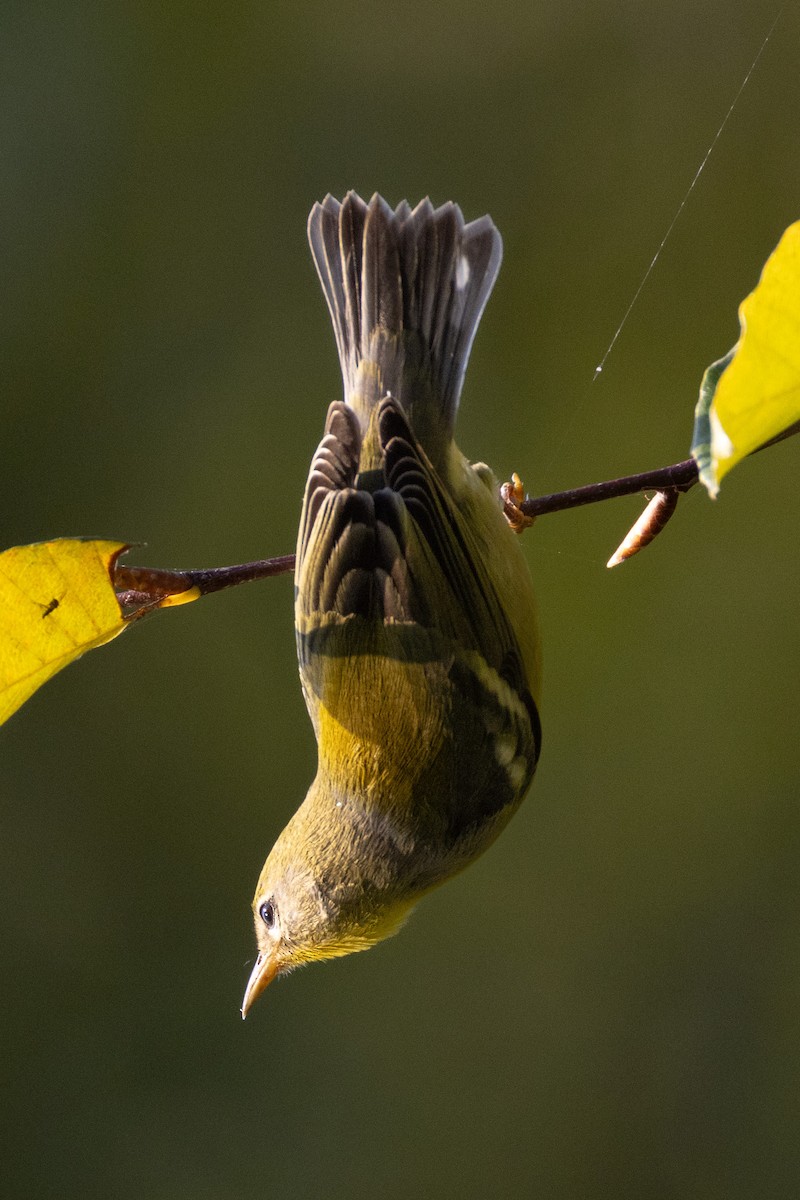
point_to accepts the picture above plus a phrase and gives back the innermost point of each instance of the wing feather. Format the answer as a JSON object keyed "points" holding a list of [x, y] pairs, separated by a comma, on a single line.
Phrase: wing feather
{"points": [[386, 573]]}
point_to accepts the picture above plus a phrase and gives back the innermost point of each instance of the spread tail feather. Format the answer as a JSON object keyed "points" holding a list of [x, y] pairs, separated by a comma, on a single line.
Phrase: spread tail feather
{"points": [[406, 290]]}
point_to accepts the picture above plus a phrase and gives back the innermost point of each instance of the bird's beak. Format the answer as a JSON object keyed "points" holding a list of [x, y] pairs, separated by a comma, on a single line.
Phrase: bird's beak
{"points": [[264, 971]]}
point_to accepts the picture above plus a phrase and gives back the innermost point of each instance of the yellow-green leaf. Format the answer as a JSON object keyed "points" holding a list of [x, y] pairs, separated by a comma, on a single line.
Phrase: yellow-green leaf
{"points": [[753, 394], [57, 600]]}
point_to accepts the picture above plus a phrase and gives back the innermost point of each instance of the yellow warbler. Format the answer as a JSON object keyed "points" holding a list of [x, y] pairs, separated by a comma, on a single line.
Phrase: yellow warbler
{"points": [[416, 625]]}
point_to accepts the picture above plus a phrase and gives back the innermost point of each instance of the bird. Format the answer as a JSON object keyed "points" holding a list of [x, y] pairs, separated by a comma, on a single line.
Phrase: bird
{"points": [[415, 616]]}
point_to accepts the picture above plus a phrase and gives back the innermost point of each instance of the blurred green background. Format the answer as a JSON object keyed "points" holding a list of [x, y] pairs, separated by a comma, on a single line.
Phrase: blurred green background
{"points": [[605, 1005]]}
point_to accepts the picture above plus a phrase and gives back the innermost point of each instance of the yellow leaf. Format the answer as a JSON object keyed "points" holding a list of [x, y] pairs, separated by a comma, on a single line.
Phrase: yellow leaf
{"points": [[57, 601], [757, 395]]}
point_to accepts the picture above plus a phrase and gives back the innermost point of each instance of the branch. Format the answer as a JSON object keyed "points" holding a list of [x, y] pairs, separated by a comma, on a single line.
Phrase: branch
{"points": [[143, 589], [680, 476]]}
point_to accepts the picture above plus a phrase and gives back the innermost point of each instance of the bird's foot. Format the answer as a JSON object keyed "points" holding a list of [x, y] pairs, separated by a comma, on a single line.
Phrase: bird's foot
{"points": [[512, 495]]}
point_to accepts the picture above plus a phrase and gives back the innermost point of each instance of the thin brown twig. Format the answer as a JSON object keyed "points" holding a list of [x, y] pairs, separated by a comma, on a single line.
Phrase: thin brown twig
{"points": [[145, 588], [682, 475]]}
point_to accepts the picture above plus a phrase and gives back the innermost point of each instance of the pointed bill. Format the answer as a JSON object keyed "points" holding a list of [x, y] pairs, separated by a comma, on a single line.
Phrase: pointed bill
{"points": [[262, 974]]}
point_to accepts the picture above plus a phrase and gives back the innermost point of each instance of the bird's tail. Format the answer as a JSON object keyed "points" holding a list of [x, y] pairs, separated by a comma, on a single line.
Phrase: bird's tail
{"points": [[406, 290]]}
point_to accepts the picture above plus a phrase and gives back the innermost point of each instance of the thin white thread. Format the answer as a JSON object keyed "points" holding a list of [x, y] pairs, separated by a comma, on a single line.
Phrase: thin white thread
{"points": [[681, 206]]}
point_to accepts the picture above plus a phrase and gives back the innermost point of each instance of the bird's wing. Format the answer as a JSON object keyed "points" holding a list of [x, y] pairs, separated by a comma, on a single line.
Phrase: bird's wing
{"points": [[395, 551], [401, 635]]}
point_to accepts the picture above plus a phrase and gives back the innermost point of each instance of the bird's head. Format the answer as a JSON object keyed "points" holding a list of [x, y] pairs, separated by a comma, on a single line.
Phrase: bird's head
{"points": [[318, 899]]}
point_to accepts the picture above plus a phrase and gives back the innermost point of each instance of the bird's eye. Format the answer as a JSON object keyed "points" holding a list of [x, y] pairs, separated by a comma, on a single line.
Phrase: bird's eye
{"points": [[267, 913]]}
